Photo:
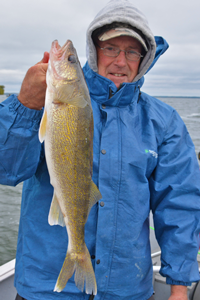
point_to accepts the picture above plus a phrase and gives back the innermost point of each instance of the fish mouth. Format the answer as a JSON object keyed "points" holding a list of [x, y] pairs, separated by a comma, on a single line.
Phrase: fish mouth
{"points": [[66, 45], [60, 51], [63, 60]]}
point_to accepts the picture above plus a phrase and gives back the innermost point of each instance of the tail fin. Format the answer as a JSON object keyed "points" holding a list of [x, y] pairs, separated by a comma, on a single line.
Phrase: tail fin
{"points": [[84, 273]]}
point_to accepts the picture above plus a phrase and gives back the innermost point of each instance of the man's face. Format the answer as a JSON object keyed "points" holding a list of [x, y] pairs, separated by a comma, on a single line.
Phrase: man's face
{"points": [[118, 69]]}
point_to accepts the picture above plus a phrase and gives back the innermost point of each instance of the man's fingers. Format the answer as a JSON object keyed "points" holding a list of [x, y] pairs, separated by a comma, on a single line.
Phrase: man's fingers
{"points": [[32, 92], [44, 67], [45, 58]]}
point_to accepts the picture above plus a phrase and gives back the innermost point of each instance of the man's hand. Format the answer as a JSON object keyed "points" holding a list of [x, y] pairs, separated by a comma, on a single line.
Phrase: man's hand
{"points": [[178, 292], [33, 89]]}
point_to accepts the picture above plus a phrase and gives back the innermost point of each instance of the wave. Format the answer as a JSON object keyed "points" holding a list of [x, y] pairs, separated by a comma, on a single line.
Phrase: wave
{"points": [[191, 116]]}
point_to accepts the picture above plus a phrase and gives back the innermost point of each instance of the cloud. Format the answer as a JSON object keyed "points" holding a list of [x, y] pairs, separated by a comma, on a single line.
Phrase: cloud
{"points": [[176, 72], [28, 29]]}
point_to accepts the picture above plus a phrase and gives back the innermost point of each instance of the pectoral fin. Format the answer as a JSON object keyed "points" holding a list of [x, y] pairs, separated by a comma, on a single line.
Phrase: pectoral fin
{"points": [[43, 126], [95, 194], [78, 102], [55, 214]]}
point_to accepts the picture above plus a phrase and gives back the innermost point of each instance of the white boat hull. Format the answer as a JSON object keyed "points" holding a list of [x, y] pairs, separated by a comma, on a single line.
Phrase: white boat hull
{"points": [[7, 289], [162, 290]]}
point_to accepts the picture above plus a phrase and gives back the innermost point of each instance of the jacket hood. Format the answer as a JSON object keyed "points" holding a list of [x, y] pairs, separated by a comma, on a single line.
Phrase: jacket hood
{"points": [[124, 12], [103, 90]]}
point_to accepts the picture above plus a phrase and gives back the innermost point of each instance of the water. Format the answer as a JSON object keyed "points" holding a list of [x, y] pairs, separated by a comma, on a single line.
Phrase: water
{"points": [[10, 197], [189, 110]]}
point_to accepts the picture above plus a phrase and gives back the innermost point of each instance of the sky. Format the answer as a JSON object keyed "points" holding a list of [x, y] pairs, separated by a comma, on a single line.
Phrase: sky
{"points": [[27, 29]]}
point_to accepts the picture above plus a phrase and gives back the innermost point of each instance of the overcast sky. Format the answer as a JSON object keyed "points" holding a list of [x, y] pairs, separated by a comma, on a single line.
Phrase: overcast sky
{"points": [[27, 29]]}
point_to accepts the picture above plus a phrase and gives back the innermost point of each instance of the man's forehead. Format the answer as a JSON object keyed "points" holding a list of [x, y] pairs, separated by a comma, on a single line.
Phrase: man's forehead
{"points": [[117, 32], [122, 40]]}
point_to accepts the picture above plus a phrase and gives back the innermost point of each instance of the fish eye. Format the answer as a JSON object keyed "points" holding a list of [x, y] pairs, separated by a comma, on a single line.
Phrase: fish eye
{"points": [[72, 58]]}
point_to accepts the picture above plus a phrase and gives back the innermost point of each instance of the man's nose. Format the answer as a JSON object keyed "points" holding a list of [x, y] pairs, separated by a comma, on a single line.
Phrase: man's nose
{"points": [[120, 60]]}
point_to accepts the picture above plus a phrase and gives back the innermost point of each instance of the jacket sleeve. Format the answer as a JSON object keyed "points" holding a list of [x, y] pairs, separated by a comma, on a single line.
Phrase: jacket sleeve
{"points": [[19, 144], [175, 203]]}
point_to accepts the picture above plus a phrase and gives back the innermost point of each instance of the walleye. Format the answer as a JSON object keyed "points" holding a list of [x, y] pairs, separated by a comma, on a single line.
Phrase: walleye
{"points": [[67, 131]]}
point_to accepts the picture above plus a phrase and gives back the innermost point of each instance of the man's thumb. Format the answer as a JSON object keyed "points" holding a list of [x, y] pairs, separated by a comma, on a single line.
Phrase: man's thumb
{"points": [[45, 58]]}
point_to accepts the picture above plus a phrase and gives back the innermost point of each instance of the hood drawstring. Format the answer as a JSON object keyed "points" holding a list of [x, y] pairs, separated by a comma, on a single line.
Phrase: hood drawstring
{"points": [[110, 93], [139, 94]]}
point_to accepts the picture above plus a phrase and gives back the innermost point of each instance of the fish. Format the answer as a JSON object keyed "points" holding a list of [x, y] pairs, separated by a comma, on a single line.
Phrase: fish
{"points": [[66, 129]]}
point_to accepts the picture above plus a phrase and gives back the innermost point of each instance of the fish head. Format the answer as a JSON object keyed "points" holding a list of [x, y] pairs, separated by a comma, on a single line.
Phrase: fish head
{"points": [[63, 63], [65, 77]]}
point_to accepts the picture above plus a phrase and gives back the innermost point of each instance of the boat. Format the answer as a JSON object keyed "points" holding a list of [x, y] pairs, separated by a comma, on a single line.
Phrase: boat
{"points": [[7, 273], [162, 290]]}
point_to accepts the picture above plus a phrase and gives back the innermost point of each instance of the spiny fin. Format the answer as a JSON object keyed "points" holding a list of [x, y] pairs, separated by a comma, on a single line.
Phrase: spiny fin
{"points": [[84, 273], [43, 126], [95, 194], [55, 214], [78, 101]]}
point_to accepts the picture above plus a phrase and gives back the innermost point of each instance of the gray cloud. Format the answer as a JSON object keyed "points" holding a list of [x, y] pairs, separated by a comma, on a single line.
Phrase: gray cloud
{"points": [[176, 73], [28, 29]]}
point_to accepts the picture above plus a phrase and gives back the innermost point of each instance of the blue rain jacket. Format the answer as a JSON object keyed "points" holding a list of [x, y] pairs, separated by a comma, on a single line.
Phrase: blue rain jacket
{"points": [[143, 159]]}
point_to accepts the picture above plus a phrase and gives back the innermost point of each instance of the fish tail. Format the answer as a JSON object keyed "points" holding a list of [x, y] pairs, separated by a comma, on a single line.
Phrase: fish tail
{"points": [[66, 272], [84, 273]]}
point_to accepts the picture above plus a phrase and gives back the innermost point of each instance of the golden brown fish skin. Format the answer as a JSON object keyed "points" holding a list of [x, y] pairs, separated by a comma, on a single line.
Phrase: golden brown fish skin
{"points": [[70, 132], [69, 135], [67, 129]]}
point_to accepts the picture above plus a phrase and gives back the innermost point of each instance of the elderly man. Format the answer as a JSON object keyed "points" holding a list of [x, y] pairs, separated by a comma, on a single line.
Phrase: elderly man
{"points": [[143, 159]]}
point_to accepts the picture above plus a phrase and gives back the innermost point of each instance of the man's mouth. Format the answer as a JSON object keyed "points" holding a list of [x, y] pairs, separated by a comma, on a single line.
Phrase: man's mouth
{"points": [[118, 75]]}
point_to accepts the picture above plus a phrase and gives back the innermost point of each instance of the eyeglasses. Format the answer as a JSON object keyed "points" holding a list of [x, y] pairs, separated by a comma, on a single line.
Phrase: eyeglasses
{"points": [[114, 52]]}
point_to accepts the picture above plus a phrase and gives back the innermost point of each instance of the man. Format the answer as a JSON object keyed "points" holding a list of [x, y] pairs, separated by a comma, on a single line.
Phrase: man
{"points": [[143, 159]]}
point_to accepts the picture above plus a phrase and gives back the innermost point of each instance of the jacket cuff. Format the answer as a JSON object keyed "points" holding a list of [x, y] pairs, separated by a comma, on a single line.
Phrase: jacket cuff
{"points": [[16, 106], [174, 282]]}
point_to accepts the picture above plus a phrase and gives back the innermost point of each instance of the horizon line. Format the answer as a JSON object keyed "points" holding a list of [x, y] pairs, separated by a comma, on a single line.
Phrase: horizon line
{"points": [[158, 96]]}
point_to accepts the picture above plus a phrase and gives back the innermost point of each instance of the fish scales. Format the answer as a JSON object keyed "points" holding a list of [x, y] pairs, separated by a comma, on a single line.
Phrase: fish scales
{"points": [[73, 173], [67, 131]]}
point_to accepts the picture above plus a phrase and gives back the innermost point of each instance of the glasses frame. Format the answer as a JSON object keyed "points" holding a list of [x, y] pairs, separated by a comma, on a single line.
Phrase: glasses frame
{"points": [[125, 51]]}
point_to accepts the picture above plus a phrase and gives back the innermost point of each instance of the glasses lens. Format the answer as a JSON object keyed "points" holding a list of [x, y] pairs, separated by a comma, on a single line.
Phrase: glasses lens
{"points": [[132, 55], [114, 52], [111, 51]]}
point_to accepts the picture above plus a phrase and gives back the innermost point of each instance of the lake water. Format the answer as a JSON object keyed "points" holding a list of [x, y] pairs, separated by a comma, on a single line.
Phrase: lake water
{"points": [[10, 197]]}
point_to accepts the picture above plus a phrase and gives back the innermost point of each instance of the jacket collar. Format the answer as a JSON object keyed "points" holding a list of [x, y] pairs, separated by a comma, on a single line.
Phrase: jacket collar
{"points": [[104, 91]]}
